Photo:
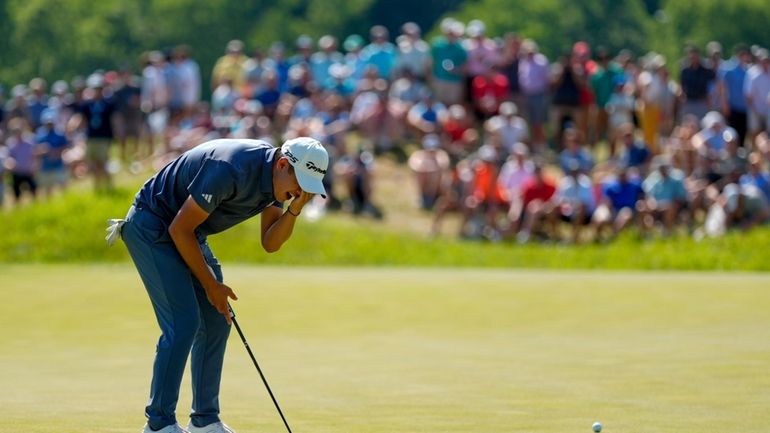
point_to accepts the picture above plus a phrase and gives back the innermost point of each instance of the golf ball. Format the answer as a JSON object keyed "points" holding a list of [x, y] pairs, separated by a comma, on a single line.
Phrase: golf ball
{"points": [[597, 426]]}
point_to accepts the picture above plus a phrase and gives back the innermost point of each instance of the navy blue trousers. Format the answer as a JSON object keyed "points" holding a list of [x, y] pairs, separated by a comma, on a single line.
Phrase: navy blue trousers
{"points": [[189, 324]]}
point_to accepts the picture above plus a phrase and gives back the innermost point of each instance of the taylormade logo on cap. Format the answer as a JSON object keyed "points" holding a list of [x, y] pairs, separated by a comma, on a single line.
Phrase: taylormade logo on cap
{"points": [[310, 162]]}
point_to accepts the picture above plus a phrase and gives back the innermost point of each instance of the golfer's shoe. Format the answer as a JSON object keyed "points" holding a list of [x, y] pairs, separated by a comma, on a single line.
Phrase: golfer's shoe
{"points": [[217, 427], [173, 428]]}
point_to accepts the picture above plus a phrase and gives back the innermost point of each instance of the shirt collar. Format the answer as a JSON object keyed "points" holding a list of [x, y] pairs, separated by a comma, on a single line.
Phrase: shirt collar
{"points": [[266, 182]]}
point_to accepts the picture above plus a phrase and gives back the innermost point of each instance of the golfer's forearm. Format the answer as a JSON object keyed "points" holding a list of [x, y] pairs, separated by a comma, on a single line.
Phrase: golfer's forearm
{"points": [[187, 245], [279, 232]]}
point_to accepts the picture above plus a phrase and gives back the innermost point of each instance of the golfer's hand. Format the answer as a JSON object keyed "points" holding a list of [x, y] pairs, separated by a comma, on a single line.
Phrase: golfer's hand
{"points": [[218, 295], [298, 203]]}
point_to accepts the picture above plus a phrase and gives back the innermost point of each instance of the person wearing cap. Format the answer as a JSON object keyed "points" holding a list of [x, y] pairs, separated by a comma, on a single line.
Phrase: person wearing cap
{"points": [[733, 76], [603, 83], [488, 91], [514, 174], [22, 160], [413, 53], [230, 66], [617, 208], [483, 54], [620, 111], [666, 195], [37, 101], [354, 58], [574, 202], [430, 166], [745, 206], [652, 88], [511, 128], [756, 88], [695, 78], [97, 116], [304, 45], [715, 134], [51, 144], [17, 105], [380, 53], [205, 191], [322, 61], [449, 62]]}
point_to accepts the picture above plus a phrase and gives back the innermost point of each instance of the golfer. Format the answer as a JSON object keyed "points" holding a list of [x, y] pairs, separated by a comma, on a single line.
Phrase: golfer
{"points": [[205, 191]]}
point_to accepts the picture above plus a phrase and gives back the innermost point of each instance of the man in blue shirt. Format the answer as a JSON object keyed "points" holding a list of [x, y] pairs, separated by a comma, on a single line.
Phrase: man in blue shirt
{"points": [[51, 144], [206, 190], [733, 76]]}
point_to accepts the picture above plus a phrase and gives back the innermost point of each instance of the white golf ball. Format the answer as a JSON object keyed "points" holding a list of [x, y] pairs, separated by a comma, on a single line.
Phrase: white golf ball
{"points": [[597, 426]]}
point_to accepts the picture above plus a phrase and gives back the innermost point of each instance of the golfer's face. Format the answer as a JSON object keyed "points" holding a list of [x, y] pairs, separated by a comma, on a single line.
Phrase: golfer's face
{"points": [[285, 184]]}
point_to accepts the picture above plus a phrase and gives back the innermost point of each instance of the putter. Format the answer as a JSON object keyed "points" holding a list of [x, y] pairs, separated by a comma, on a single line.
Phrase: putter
{"points": [[248, 349]]}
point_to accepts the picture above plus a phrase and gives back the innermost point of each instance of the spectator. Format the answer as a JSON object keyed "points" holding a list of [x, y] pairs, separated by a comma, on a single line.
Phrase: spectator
{"points": [[323, 60], [354, 58], [340, 82], [511, 128], [696, 79], [618, 206], [713, 135], [488, 91], [483, 55], [430, 166], [652, 91], [636, 155], [17, 106], [584, 68], [253, 68], [155, 96], [21, 159], [269, 94], [127, 121], [230, 66], [37, 102], [51, 145], [534, 82], [304, 45], [716, 64], [380, 52], [449, 60], [460, 134], [487, 196], [604, 85], [745, 206], [427, 116], [757, 89], [758, 175], [536, 202], [509, 66], [356, 173], [666, 196], [565, 108], [514, 174], [278, 64], [188, 79], [413, 53], [620, 111], [574, 202], [97, 114], [733, 77], [575, 151]]}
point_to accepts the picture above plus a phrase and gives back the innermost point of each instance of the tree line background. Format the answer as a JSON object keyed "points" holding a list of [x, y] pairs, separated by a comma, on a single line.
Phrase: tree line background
{"points": [[60, 39]]}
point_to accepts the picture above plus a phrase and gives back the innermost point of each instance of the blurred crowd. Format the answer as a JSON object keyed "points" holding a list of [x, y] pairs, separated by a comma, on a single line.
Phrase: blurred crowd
{"points": [[521, 146]]}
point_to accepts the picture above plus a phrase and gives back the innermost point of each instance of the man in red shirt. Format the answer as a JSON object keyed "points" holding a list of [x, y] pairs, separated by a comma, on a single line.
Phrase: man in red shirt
{"points": [[488, 91], [536, 201]]}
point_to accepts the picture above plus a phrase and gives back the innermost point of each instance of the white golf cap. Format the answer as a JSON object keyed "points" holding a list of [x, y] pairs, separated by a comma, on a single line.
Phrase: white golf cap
{"points": [[310, 161]]}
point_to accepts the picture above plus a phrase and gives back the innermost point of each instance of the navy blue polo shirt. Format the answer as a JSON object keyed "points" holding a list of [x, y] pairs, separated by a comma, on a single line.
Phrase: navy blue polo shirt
{"points": [[231, 179]]}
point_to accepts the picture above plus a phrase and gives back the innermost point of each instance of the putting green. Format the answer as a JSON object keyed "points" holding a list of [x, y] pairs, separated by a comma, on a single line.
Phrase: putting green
{"points": [[404, 350]]}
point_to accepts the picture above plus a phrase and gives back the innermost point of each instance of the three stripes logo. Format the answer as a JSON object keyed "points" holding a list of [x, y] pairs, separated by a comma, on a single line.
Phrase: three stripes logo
{"points": [[207, 197]]}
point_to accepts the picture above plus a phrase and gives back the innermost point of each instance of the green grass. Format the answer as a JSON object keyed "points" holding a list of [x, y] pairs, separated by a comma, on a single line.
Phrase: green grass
{"points": [[404, 350], [70, 228]]}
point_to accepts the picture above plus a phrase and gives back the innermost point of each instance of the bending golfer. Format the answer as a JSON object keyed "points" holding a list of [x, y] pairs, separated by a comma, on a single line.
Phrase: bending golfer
{"points": [[205, 191]]}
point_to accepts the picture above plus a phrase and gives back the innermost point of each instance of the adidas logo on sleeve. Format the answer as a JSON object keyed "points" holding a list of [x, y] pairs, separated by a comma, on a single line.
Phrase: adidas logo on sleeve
{"points": [[207, 197]]}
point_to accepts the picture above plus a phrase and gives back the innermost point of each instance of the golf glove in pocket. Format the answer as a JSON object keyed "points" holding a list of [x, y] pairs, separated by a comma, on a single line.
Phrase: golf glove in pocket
{"points": [[114, 227]]}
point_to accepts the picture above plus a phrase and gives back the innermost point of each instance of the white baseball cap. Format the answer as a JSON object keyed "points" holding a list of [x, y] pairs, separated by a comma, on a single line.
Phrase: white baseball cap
{"points": [[310, 161]]}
